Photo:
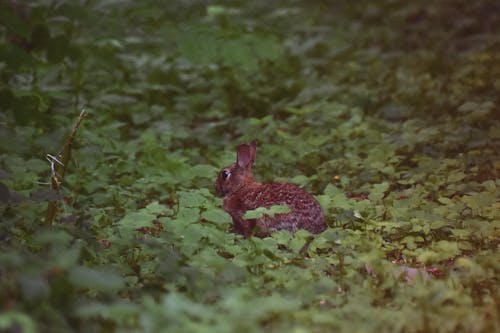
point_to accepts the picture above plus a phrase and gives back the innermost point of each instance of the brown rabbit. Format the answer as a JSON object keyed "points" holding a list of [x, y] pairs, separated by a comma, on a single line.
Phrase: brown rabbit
{"points": [[241, 193]]}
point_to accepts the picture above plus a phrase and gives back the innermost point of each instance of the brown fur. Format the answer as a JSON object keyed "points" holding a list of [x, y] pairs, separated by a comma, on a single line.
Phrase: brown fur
{"points": [[241, 193]]}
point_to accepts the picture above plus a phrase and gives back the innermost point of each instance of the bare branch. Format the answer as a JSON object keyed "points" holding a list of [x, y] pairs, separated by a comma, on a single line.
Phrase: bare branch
{"points": [[58, 171]]}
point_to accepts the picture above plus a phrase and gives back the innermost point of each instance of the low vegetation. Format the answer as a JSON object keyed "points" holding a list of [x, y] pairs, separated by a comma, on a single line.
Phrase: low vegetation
{"points": [[388, 111]]}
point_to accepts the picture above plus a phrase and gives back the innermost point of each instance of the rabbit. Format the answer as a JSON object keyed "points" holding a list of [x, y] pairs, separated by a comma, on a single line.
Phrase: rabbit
{"points": [[241, 193]]}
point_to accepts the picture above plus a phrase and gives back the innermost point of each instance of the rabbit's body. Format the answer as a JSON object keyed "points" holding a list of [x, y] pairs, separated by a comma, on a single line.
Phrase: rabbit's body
{"points": [[242, 193]]}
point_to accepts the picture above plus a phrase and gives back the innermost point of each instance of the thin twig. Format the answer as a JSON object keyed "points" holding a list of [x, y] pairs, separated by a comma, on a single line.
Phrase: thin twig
{"points": [[58, 166]]}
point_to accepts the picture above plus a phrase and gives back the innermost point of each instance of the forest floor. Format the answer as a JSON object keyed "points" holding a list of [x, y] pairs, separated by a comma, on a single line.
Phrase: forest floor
{"points": [[387, 111]]}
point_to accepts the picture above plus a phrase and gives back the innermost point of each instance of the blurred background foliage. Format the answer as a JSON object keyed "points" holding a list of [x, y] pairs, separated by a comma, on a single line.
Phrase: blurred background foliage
{"points": [[387, 110]]}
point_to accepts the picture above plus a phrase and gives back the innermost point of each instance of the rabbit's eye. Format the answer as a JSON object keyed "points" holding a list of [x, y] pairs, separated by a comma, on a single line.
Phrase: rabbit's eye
{"points": [[225, 174]]}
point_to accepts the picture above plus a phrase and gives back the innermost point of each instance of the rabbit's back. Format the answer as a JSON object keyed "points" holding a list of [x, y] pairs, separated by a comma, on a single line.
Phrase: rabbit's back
{"points": [[305, 211]]}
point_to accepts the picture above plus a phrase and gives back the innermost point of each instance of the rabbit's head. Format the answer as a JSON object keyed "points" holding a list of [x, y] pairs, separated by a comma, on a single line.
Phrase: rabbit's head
{"points": [[234, 177]]}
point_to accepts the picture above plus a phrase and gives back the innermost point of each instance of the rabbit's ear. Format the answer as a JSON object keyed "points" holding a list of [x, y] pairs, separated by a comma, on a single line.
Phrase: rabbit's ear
{"points": [[253, 148], [246, 155]]}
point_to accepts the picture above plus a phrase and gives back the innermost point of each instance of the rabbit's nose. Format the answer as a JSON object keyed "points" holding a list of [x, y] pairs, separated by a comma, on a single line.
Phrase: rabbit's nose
{"points": [[219, 190]]}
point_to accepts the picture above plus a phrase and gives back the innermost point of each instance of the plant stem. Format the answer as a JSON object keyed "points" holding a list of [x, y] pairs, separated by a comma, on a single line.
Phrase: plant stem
{"points": [[58, 172]]}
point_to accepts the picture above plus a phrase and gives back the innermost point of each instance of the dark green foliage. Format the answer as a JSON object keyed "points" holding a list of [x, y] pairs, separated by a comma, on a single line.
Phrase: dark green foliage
{"points": [[387, 110]]}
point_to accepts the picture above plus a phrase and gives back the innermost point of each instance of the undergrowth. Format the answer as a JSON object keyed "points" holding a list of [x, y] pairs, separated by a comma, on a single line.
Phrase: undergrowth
{"points": [[386, 110]]}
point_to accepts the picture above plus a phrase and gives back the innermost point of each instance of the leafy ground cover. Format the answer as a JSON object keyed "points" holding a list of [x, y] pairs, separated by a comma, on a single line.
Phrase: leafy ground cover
{"points": [[387, 110]]}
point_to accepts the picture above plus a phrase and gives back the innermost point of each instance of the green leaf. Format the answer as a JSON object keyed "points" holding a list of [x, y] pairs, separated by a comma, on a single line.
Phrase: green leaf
{"points": [[191, 198], [34, 288], [263, 211], [217, 215], [191, 237], [441, 250], [445, 201], [136, 220], [100, 280], [122, 311], [456, 177], [204, 171], [300, 239], [300, 180], [156, 208], [468, 107], [188, 214], [56, 237], [12, 320], [378, 191], [337, 197]]}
